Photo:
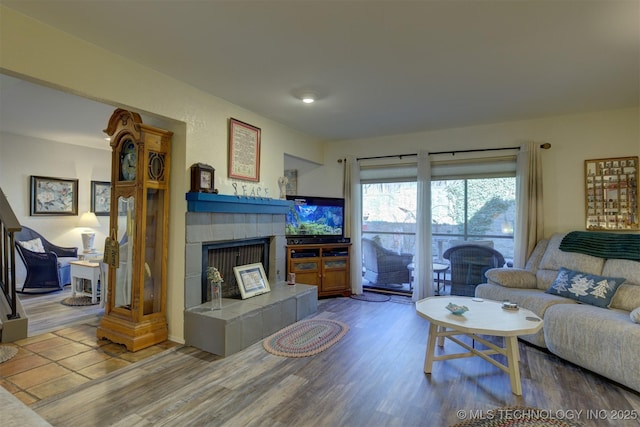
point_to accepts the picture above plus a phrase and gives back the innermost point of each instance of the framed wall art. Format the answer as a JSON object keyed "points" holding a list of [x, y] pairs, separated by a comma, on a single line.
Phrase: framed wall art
{"points": [[53, 196], [244, 151], [292, 181], [251, 280], [100, 197], [611, 194]]}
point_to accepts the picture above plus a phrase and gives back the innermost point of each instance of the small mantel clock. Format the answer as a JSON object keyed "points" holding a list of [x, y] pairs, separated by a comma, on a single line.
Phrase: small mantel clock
{"points": [[202, 178], [135, 312]]}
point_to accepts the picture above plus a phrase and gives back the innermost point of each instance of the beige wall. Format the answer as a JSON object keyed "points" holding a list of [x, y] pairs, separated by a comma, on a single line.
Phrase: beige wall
{"points": [[24, 156], [574, 138], [41, 54]]}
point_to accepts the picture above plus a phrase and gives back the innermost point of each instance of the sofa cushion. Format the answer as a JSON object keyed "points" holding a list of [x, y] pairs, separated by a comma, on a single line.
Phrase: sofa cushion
{"points": [[628, 295], [533, 262], [535, 300], [511, 277], [554, 259], [34, 245], [584, 287], [623, 268], [604, 341], [545, 278], [635, 315]]}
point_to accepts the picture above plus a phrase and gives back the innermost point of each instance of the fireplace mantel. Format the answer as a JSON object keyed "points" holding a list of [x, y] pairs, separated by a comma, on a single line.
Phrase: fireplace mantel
{"points": [[209, 202]]}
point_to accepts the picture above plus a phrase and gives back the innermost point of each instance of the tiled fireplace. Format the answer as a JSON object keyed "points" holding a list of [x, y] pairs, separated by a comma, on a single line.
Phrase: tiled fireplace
{"points": [[215, 218], [240, 323]]}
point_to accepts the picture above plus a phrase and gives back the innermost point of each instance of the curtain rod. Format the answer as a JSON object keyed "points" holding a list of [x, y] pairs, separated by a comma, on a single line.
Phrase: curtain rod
{"points": [[544, 146]]}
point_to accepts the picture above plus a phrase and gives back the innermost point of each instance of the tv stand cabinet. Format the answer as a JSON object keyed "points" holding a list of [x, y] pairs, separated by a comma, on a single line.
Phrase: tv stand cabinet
{"points": [[323, 265]]}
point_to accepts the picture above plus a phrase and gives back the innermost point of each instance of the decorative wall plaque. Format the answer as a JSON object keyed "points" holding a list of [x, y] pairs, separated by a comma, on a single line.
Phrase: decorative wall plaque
{"points": [[244, 151], [611, 194]]}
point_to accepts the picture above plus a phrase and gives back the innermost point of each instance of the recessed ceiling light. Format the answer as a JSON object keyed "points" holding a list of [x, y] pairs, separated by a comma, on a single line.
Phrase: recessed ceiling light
{"points": [[307, 95]]}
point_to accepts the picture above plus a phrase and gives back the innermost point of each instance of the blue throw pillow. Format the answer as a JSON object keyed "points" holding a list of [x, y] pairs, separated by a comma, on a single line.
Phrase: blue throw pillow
{"points": [[585, 287]]}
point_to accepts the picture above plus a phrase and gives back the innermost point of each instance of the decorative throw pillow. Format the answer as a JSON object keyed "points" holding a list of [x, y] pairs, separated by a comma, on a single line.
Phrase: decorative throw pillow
{"points": [[585, 287], [34, 245], [635, 315]]}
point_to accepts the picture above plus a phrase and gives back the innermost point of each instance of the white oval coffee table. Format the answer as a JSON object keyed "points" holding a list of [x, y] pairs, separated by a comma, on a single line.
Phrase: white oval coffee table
{"points": [[484, 317]]}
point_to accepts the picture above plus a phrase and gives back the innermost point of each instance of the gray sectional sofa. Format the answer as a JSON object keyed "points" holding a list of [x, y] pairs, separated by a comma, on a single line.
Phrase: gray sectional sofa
{"points": [[605, 340]]}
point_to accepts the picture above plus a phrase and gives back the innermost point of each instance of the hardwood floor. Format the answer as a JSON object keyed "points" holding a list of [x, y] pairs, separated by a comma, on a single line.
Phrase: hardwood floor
{"points": [[46, 312], [372, 377]]}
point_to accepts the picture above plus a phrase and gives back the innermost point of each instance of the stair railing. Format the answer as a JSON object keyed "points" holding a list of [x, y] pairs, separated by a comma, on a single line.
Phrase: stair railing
{"points": [[9, 225]]}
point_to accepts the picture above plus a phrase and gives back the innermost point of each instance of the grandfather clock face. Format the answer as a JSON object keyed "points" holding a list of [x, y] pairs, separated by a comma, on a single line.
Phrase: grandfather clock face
{"points": [[128, 160]]}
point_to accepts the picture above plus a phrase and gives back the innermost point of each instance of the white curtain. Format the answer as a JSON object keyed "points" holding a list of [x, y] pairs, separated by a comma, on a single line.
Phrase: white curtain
{"points": [[353, 211], [529, 222], [423, 274]]}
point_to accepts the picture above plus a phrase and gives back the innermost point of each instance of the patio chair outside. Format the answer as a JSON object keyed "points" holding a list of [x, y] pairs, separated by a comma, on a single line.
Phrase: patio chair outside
{"points": [[468, 265]]}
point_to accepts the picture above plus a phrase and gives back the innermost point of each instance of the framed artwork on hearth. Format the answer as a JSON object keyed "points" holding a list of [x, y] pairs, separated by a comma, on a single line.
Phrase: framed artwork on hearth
{"points": [[251, 280], [611, 187]]}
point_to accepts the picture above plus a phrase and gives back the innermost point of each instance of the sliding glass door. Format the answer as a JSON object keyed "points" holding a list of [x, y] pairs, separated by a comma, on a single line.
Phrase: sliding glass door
{"points": [[466, 210]]}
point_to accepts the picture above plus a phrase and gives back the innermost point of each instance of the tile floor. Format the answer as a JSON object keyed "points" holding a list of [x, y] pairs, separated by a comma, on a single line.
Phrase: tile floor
{"points": [[54, 362]]}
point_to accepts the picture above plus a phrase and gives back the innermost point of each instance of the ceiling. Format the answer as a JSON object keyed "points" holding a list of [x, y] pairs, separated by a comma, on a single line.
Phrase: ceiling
{"points": [[378, 67]]}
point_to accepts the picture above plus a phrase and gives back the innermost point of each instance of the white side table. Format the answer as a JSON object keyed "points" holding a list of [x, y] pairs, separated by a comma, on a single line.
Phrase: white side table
{"points": [[104, 273], [85, 270]]}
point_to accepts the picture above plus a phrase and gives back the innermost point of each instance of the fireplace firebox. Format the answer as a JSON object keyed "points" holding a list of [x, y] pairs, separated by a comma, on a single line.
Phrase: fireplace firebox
{"points": [[225, 255]]}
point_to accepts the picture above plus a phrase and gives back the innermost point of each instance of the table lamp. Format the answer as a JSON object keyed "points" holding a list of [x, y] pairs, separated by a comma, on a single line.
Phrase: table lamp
{"points": [[88, 221]]}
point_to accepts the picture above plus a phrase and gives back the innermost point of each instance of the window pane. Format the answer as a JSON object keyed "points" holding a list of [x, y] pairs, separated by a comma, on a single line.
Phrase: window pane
{"points": [[448, 206], [491, 204], [389, 212], [463, 210], [473, 210]]}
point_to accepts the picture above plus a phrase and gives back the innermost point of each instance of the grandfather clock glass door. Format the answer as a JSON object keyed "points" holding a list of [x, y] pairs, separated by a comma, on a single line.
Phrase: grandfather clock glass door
{"points": [[153, 251], [124, 270], [135, 308]]}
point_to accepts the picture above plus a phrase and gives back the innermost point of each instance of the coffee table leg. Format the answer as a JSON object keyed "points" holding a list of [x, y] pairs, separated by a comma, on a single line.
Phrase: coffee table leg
{"points": [[431, 348], [441, 337], [513, 357]]}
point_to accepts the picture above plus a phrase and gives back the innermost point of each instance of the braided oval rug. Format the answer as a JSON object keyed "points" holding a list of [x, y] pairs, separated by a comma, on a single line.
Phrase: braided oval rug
{"points": [[305, 338]]}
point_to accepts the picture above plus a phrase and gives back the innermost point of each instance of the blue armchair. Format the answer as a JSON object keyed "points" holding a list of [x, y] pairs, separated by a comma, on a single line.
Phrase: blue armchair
{"points": [[47, 265]]}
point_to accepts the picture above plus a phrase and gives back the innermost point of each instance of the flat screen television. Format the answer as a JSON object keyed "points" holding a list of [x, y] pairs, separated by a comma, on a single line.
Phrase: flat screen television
{"points": [[315, 217]]}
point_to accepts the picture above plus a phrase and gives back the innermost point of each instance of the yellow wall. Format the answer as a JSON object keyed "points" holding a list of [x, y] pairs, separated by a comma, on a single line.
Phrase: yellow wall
{"points": [[574, 138], [39, 53], [35, 52]]}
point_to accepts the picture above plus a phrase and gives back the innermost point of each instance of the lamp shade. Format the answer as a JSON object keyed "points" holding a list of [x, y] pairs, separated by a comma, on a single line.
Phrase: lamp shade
{"points": [[88, 220]]}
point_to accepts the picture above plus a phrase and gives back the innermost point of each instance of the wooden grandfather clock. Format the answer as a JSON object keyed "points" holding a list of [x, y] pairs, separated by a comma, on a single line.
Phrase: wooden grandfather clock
{"points": [[135, 312]]}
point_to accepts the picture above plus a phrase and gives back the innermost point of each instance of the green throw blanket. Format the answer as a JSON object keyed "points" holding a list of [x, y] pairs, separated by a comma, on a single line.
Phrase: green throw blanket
{"points": [[603, 245]]}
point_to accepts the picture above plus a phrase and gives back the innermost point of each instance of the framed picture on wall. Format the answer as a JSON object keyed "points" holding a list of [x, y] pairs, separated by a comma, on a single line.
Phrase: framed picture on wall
{"points": [[611, 194], [100, 197], [292, 181], [244, 151], [53, 196]]}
